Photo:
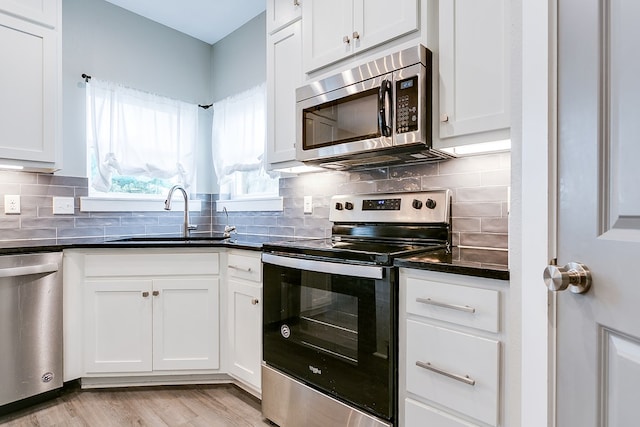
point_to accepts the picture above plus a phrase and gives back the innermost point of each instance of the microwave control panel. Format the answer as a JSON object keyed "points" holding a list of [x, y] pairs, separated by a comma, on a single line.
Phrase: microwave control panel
{"points": [[407, 100]]}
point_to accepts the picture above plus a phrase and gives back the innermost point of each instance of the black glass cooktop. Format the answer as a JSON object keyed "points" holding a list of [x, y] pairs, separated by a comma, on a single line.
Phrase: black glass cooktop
{"points": [[350, 251]]}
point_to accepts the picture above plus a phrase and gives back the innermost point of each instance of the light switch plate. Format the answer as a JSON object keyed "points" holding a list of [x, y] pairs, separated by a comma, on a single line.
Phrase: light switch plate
{"points": [[11, 204], [62, 205], [307, 205]]}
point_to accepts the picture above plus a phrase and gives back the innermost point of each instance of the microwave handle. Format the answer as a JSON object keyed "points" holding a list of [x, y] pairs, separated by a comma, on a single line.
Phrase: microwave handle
{"points": [[383, 94]]}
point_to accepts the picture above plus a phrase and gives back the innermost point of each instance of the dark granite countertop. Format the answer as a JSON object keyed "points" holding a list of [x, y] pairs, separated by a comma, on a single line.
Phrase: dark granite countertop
{"points": [[473, 262], [486, 263]]}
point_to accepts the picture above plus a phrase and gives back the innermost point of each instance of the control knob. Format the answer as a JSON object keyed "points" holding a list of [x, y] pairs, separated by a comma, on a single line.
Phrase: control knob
{"points": [[430, 203], [417, 204], [339, 206], [348, 206]]}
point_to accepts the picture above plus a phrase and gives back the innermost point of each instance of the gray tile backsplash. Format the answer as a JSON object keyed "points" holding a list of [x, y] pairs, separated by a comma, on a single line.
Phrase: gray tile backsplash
{"points": [[479, 187]]}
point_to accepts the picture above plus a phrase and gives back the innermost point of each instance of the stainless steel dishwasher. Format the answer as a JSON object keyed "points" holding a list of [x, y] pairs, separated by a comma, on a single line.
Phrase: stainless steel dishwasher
{"points": [[30, 326]]}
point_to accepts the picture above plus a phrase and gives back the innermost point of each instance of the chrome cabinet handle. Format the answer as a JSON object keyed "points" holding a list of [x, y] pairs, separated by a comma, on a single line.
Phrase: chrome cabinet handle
{"points": [[462, 378], [346, 40], [254, 301], [444, 118], [356, 35], [429, 301], [235, 267], [574, 276]]}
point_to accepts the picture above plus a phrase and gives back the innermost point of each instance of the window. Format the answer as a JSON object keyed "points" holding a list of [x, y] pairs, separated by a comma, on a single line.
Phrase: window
{"points": [[238, 136], [138, 144]]}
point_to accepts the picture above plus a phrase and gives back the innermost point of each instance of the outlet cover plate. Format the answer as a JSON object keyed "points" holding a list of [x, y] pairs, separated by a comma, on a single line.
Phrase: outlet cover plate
{"points": [[63, 205], [307, 205], [11, 204]]}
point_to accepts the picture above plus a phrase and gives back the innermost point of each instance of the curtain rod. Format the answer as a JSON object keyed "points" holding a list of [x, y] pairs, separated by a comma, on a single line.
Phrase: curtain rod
{"points": [[87, 77]]}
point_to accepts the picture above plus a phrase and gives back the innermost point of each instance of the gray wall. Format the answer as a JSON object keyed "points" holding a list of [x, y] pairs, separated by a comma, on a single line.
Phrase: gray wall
{"points": [[239, 61], [110, 43]]}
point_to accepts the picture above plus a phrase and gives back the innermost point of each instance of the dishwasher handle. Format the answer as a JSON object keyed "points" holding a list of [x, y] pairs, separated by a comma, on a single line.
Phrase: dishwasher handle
{"points": [[29, 270]]}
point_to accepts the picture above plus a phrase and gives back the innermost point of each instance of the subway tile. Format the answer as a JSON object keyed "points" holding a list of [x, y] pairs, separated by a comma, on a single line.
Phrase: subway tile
{"points": [[484, 240], [8, 188], [162, 229], [451, 181], [10, 177], [130, 230], [81, 232], [46, 190], [28, 233], [481, 194], [466, 164], [9, 222], [497, 257], [405, 184], [497, 177], [495, 225], [419, 170], [48, 222], [137, 220], [476, 209], [368, 175], [466, 224], [97, 222], [66, 181]]}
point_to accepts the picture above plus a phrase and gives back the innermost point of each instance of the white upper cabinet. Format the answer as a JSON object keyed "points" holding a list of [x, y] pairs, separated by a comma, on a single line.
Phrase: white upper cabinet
{"points": [[43, 12], [30, 85], [336, 29], [474, 69], [284, 75], [281, 13]]}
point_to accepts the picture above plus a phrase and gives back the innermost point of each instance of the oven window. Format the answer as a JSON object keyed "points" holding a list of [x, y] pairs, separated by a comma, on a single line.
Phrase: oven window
{"points": [[351, 118], [328, 320]]}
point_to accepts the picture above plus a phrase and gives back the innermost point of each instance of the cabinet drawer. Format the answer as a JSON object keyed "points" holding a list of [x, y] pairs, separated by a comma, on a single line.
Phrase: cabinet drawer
{"points": [[150, 263], [444, 353], [419, 414], [245, 267], [464, 305]]}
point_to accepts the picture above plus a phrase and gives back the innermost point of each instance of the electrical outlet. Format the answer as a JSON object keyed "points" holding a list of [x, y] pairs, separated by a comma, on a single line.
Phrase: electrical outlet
{"points": [[62, 205], [307, 205], [11, 204]]}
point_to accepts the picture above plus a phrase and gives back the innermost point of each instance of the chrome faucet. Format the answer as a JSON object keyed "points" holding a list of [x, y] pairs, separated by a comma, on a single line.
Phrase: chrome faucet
{"points": [[227, 228], [167, 207]]}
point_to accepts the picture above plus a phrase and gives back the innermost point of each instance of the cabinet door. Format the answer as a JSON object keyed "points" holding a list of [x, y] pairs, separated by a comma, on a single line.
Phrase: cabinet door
{"points": [[118, 327], [474, 66], [284, 65], [245, 331], [378, 21], [282, 12], [186, 323], [326, 24], [41, 11], [28, 84]]}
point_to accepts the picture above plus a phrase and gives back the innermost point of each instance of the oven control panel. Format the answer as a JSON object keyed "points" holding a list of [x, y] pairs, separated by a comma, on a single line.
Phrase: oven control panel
{"points": [[431, 206]]}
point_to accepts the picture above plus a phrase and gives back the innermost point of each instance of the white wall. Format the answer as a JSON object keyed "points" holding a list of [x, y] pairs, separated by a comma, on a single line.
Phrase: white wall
{"points": [[110, 43]]}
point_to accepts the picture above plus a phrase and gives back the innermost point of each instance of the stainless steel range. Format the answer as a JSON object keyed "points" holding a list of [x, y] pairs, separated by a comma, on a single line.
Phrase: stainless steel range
{"points": [[330, 310]]}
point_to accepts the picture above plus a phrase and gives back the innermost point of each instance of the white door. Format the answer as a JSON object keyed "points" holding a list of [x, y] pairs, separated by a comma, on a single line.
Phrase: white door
{"points": [[598, 342]]}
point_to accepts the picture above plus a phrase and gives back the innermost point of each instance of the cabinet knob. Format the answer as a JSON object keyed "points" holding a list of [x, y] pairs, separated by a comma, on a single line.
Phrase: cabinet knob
{"points": [[145, 294], [254, 301], [346, 40], [444, 118], [156, 293], [296, 2], [356, 35]]}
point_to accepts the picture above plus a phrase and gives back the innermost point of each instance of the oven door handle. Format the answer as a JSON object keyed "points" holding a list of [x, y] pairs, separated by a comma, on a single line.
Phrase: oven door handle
{"points": [[356, 270]]}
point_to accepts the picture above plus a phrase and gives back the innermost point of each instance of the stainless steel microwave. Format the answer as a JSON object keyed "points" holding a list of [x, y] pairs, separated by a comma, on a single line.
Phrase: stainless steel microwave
{"points": [[378, 113]]}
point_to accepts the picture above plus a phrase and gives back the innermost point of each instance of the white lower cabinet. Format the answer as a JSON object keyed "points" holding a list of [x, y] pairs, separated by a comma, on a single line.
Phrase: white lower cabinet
{"points": [[152, 311], [451, 350], [245, 317]]}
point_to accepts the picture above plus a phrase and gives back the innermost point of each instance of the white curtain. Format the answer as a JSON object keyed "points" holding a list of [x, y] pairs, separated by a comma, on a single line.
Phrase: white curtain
{"points": [[239, 132], [139, 134]]}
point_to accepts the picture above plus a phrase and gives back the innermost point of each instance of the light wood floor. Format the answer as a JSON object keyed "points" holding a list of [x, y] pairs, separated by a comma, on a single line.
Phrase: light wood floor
{"points": [[205, 405]]}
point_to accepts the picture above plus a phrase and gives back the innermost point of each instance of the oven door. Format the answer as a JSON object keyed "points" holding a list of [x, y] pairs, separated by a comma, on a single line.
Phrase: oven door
{"points": [[332, 326]]}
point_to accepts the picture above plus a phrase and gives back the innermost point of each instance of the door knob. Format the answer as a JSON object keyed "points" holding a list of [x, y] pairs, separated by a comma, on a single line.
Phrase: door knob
{"points": [[574, 276]]}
